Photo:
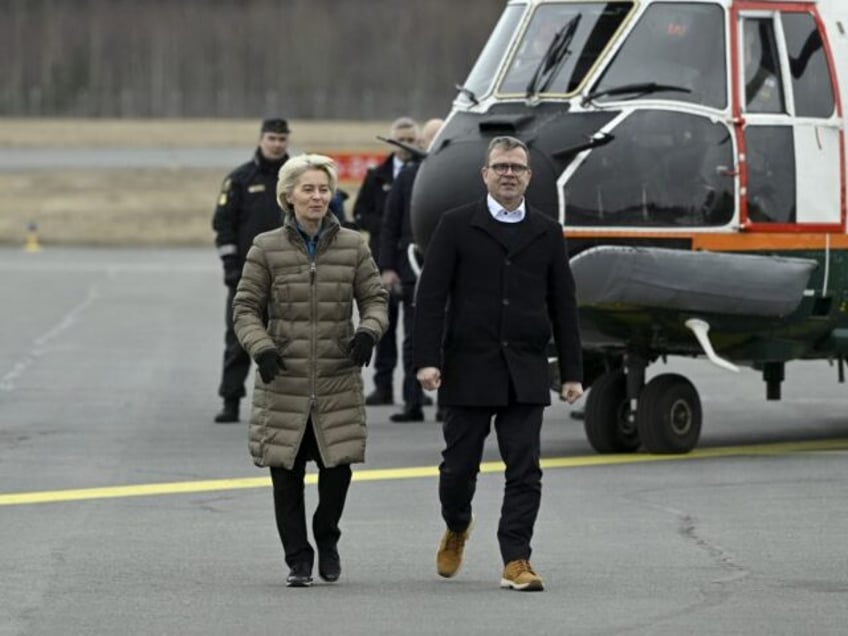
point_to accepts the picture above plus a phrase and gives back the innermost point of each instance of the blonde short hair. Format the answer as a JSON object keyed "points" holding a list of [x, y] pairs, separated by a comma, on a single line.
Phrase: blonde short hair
{"points": [[294, 168]]}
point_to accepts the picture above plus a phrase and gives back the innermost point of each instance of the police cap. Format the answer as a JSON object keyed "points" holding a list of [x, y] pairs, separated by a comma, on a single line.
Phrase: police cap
{"points": [[275, 125]]}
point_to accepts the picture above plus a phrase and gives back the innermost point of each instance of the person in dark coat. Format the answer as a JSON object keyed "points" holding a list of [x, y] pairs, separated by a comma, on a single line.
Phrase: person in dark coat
{"points": [[368, 215], [395, 239], [247, 206], [496, 284], [337, 207]]}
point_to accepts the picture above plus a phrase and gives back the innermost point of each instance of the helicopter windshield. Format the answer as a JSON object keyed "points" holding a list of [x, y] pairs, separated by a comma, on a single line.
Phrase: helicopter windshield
{"points": [[480, 79], [560, 45], [676, 44]]}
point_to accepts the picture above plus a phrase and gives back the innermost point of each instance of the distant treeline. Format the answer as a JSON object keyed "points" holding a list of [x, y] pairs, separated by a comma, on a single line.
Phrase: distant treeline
{"points": [[328, 59]]}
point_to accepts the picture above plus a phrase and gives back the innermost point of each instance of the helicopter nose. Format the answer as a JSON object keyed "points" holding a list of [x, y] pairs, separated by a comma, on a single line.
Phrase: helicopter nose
{"points": [[448, 178]]}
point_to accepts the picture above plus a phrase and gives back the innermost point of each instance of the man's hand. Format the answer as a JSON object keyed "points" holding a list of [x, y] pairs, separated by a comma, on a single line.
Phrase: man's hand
{"points": [[571, 392], [361, 346], [390, 279], [430, 378], [270, 364]]}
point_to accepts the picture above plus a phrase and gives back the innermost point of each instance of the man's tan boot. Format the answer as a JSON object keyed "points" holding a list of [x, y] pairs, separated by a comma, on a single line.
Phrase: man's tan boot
{"points": [[449, 556], [519, 575]]}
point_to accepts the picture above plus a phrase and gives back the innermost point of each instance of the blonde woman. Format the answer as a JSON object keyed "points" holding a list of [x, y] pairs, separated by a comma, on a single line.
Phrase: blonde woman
{"points": [[293, 313]]}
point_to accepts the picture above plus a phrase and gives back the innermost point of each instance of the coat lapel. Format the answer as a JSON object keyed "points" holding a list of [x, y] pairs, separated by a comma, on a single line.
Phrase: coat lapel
{"points": [[532, 227], [528, 230], [483, 220]]}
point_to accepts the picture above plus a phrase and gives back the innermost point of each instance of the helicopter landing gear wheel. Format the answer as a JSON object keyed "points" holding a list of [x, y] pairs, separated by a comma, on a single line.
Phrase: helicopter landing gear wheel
{"points": [[669, 415], [609, 427]]}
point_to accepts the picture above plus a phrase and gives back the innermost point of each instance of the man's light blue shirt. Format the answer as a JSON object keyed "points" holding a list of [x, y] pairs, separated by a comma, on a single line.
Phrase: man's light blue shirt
{"points": [[505, 216]]}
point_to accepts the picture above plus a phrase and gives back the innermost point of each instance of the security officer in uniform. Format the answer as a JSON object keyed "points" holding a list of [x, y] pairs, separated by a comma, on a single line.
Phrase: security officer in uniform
{"points": [[247, 206]]}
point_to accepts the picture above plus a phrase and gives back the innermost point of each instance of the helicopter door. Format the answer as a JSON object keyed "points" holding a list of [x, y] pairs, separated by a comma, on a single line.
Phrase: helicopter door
{"points": [[817, 127], [792, 137]]}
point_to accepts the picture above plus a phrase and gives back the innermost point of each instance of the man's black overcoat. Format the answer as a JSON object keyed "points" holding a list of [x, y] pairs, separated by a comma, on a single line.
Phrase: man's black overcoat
{"points": [[485, 313], [371, 200], [396, 233]]}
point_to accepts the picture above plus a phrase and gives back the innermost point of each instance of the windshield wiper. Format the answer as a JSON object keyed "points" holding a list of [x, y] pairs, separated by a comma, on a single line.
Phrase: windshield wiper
{"points": [[553, 58], [468, 93], [415, 151], [638, 90], [596, 140]]}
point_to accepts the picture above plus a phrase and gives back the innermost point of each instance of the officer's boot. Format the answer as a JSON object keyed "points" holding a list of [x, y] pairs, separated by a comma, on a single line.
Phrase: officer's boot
{"points": [[230, 412], [380, 396]]}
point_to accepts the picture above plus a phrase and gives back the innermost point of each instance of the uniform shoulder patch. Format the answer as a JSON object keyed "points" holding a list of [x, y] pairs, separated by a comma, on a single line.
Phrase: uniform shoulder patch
{"points": [[225, 191]]}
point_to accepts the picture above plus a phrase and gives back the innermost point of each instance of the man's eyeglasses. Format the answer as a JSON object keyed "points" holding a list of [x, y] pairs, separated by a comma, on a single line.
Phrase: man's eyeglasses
{"points": [[516, 168]]}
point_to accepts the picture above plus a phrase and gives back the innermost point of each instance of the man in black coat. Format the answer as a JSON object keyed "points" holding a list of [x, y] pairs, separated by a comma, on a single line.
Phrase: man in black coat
{"points": [[247, 206], [496, 285], [368, 214], [395, 239]]}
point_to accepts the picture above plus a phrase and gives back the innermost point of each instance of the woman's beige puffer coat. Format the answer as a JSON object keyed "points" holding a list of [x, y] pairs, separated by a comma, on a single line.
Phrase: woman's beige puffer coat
{"points": [[309, 309]]}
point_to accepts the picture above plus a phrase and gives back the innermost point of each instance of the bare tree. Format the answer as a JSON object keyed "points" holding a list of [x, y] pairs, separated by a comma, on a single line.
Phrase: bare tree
{"points": [[340, 59]]}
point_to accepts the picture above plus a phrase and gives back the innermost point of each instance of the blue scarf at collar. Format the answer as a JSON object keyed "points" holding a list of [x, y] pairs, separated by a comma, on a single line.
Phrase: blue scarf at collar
{"points": [[311, 242]]}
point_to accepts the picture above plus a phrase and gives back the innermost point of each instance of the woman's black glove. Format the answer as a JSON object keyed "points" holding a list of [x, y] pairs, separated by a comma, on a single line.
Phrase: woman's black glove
{"points": [[361, 346], [270, 364]]}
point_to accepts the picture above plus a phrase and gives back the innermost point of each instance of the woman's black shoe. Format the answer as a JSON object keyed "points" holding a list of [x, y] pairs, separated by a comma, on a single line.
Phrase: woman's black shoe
{"points": [[300, 575], [329, 564]]}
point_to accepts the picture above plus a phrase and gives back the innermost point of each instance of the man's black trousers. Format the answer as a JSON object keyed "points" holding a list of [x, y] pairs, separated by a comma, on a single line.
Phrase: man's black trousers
{"points": [[386, 355], [290, 509], [413, 394], [518, 427], [236, 360]]}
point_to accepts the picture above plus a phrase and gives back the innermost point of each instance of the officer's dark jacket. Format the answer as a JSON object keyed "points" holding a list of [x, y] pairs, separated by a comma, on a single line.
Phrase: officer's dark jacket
{"points": [[485, 312], [371, 200], [247, 206], [396, 232]]}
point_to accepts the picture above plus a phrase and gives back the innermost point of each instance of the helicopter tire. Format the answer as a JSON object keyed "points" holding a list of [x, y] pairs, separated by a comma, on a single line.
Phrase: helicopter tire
{"points": [[607, 421], [669, 415]]}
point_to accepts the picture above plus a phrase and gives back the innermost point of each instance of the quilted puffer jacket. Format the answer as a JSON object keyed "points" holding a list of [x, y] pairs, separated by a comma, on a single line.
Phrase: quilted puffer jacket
{"points": [[303, 307]]}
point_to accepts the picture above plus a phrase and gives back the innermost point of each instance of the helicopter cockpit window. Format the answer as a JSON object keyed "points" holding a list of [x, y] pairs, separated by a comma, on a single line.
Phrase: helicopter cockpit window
{"points": [[560, 45], [676, 49], [763, 87], [480, 79], [811, 84], [664, 169]]}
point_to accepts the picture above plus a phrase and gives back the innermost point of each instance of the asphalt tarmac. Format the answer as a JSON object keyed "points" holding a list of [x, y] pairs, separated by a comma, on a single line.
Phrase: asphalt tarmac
{"points": [[125, 510]]}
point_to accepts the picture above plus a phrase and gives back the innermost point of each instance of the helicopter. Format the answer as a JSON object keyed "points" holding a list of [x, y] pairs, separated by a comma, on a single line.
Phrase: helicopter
{"points": [[694, 153]]}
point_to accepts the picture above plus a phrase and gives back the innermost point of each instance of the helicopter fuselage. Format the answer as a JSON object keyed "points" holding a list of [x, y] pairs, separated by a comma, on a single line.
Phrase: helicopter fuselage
{"points": [[694, 153]]}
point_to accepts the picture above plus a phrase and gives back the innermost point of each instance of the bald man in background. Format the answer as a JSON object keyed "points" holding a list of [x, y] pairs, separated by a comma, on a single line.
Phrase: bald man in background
{"points": [[395, 238]]}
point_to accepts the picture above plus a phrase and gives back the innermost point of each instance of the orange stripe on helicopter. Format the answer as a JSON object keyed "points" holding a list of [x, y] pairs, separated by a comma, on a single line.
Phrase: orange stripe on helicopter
{"points": [[736, 242], [768, 241]]}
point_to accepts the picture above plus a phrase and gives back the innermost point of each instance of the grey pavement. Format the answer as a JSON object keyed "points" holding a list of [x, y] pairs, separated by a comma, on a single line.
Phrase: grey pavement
{"points": [[109, 363]]}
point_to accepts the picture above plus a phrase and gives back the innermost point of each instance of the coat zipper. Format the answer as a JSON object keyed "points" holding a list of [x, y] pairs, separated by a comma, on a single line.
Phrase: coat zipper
{"points": [[313, 295]]}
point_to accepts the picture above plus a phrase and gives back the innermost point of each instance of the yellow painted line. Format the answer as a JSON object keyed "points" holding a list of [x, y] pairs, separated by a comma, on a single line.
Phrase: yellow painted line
{"points": [[139, 490], [391, 474]]}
